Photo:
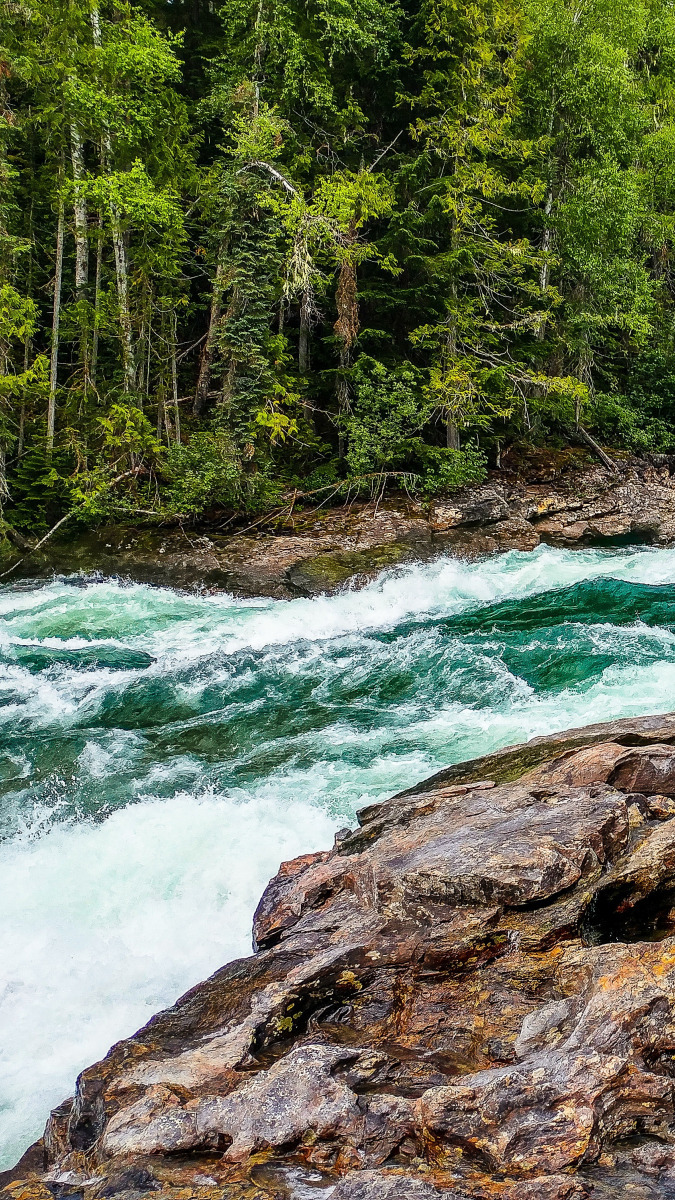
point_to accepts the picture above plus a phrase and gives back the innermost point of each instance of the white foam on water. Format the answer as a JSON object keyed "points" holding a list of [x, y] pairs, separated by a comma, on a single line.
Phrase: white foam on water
{"points": [[104, 924], [105, 921], [163, 622]]}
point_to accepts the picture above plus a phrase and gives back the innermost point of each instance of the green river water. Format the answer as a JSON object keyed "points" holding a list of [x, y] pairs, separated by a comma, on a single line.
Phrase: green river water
{"points": [[162, 752]]}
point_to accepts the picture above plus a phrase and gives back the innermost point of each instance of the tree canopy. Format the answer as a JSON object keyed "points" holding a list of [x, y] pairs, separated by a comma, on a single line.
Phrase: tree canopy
{"points": [[258, 248]]}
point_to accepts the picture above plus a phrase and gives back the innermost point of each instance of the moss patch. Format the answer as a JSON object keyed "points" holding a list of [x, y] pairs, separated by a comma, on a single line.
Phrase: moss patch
{"points": [[328, 571]]}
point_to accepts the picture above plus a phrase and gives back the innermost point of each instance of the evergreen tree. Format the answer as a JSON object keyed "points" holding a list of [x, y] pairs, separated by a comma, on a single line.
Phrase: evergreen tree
{"points": [[251, 249]]}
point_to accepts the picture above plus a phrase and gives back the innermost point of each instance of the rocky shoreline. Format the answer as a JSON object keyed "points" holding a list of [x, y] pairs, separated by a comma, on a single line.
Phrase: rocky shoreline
{"points": [[556, 501], [471, 995]]}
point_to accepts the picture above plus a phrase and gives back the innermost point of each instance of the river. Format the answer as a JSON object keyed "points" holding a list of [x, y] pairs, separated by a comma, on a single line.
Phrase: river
{"points": [[161, 752]]}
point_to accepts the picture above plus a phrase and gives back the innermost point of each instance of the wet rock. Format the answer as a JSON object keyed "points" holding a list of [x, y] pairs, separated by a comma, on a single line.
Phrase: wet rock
{"points": [[318, 555], [471, 995], [326, 572], [35, 1159], [573, 503], [374, 1185]]}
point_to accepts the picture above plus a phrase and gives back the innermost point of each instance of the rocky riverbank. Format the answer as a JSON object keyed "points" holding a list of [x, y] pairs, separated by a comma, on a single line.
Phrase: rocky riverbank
{"points": [[556, 499], [471, 995]]}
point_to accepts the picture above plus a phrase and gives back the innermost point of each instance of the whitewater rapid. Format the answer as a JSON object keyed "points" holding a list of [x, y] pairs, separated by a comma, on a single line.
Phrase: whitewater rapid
{"points": [[162, 752]]}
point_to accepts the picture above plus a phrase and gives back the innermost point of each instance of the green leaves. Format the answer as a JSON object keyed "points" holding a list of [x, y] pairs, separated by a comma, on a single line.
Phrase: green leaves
{"points": [[332, 236], [128, 435]]}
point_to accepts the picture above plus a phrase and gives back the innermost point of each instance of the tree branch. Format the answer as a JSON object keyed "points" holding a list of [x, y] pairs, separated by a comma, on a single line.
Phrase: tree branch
{"points": [[72, 513], [285, 183], [385, 151]]}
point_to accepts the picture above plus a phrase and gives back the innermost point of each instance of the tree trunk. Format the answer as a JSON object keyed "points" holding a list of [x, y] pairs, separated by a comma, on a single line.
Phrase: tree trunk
{"points": [[80, 211], [342, 393], [160, 408], [303, 343], [122, 277], [120, 253], [97, 295], [547, 239], [452, 434], [208, 353], [4, 491], [27, 343], [545, 269], [451, 426], [303, 350], [56, 320], [149, 358], [174, 379], [81, 249], [346, 327]]}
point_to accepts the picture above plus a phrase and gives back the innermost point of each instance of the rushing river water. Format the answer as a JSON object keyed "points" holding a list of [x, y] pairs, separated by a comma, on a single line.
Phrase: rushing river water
{"points": [[160, 753]]}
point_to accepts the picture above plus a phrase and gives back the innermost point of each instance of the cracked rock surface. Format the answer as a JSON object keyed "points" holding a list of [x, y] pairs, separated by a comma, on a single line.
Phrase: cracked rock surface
{"points": [[471, 995]]}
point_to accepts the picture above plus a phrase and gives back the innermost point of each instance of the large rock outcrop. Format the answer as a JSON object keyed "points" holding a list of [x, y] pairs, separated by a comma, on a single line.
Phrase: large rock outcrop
{"points": [[471, 995]]}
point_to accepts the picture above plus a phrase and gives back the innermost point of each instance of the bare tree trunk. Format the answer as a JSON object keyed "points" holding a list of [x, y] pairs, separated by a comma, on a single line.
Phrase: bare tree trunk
{"points": [[547, 239], [120, 253], [4, 490], [174, 379], [303, 350], [342, 393], [257, 60], [452, 434], [22, 429], [208, 353], [56, 319], [80, 211], [604, 458], [451, 427], [27, 343], [545, 268], [303, 343], [122, 277], [97, 297], [149, 358], [81, 249], [546, 243], [160, 408]]}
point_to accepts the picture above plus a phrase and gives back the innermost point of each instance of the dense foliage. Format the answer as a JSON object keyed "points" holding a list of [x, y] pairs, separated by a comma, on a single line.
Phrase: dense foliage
{"points": [[257, 249]]}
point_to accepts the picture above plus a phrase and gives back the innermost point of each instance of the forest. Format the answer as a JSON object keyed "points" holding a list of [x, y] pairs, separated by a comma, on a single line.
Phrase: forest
{"points": [[253, 249]]}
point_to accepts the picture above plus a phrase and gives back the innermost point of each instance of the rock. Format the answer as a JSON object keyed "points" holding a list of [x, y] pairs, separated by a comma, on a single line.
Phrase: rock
{"points": [[661, 808], [471, 995], [314, 555], [34, 1160], [477, 505], [325, 572], [563, 500], [374, 1185]]}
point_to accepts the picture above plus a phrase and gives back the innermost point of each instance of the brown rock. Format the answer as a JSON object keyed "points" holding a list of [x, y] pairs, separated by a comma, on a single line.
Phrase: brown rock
{"points": [[651, 771], [375, 1185], [660, 808], [562, 501], [472, 995]]}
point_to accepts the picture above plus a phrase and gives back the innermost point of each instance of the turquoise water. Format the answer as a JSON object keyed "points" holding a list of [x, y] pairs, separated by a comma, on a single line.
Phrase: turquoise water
{"points": [[160, 753]]}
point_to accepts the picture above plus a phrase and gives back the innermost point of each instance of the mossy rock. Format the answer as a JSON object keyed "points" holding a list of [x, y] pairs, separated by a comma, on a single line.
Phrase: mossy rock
{"points": [[327, 572]]}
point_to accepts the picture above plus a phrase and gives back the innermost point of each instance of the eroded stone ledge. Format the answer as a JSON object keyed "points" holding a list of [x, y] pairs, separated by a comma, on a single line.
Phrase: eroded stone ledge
{"points": [[472, 995]]}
